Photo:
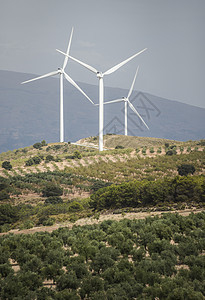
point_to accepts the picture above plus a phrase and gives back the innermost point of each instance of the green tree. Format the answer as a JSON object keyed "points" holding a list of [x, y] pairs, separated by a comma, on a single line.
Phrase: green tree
{"points": [[43, 143], [53, 200], [7, 165], [52, 189], [37, 146], [77, 154], [186, 169], [8, 214]]}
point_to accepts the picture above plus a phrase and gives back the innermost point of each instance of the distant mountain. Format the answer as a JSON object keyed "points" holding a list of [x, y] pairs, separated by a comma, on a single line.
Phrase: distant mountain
{"points": [[30, 113]]}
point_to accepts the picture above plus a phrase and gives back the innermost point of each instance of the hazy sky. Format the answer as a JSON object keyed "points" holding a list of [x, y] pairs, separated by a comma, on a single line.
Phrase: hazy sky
{"points": [[105, 33]]}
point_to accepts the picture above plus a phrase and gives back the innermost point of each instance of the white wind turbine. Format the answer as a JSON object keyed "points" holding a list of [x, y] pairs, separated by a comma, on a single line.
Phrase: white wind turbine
{"points": [[62, 73], [100, 76], [127, 101]]}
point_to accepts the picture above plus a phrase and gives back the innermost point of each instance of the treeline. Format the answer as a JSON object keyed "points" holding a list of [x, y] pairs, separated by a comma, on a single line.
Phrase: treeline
{"points": [[155, 258], [143, 193]]}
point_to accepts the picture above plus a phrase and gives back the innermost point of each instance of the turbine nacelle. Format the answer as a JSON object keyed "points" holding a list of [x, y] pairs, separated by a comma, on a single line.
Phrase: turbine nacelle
{"points": [[99, 75]]}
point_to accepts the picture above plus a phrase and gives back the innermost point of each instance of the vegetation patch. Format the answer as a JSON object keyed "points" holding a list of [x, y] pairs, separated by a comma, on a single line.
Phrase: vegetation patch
{"points": [[154, 258]]}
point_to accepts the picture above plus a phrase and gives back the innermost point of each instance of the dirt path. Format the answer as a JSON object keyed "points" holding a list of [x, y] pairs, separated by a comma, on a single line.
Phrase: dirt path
{"points": [[93, 220]]}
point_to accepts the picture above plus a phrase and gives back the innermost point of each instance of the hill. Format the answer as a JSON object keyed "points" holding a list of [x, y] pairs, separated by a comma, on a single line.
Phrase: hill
{"points": [[54, 182], [30, 113], [76, 223]]}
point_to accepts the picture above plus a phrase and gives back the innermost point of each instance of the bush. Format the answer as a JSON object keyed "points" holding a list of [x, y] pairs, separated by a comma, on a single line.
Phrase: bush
{"points": [[151, 150], [186, 169], [36, 160], [49, 158], [99, 184], [4, 195], [171, 152], [33, 161], [53, 200], [159, 150], [77, 155], [7, 165], [75, 206], [37, 146], [8, 214], [43, 143], [4, 183], [29, 162], [51, 190]]}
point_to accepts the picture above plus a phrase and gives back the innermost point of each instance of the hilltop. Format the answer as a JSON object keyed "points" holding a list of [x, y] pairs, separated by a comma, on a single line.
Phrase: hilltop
{"points": [[30, 113]]}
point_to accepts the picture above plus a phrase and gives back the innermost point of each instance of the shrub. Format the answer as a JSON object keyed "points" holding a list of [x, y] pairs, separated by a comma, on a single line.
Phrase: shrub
{"points": [[144, 150], [48, 222], [181, 148], [75, 206], [8, 214], [4, 195], [159, 150], [4, 183], [151, 150], [37, 146], [51, 190], [49, 158], [29, 162], [7, 165], [186, 169], [43, 143], [53, 200], [171, 152], [33, 161], [99, 184], [77, 154], [36, 160]]}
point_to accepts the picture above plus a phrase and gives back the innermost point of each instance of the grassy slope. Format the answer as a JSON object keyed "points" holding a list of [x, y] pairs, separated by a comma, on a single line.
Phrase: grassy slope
{"points": [[111, 141]]}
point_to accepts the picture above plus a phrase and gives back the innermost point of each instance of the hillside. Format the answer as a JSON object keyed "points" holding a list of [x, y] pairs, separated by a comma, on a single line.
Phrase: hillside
{"points": [[76, 172], [30, 113], [76, 223]]}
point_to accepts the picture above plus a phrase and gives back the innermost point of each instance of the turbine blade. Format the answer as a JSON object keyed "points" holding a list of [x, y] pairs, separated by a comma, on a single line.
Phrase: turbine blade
{"points": [[40, 77], [76, 86], [80, 62], [113, 69], [135, 111], [131, 88], [112, 101], [68, 50]]}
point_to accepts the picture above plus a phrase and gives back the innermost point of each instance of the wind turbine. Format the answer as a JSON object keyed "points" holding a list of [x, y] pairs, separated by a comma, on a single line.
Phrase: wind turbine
{"points": [[100, 76], [62, 73], [127, 101]]}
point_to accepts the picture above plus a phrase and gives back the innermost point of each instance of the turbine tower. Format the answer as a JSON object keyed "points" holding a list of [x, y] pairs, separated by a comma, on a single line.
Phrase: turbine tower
{"points": [[62, 73], [100, 76], [126, 101]]}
